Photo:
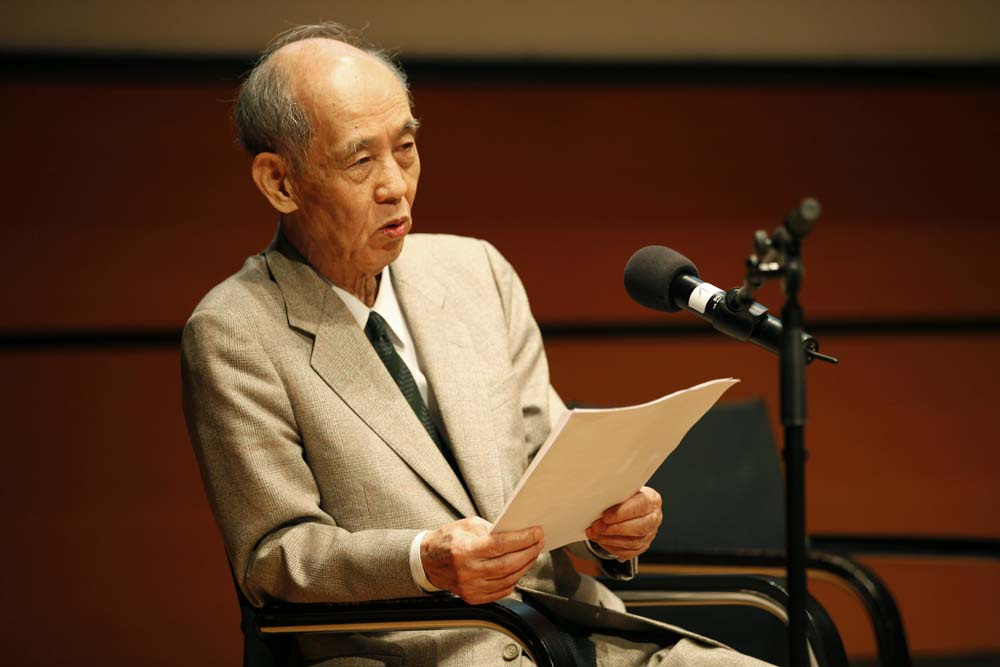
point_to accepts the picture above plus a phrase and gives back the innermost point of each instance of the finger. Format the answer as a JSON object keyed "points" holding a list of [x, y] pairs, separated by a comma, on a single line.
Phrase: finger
{"points": [[482, 597], [471, 583], [643, 501], [481, 590], [643, 525], [498, 544], [509, 580], [612, 543], [626, 549], [502, 566], [631, 508]]}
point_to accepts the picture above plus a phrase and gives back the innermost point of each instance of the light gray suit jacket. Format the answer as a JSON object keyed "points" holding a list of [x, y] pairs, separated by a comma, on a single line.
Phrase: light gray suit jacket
{"points": [[318, 471]]}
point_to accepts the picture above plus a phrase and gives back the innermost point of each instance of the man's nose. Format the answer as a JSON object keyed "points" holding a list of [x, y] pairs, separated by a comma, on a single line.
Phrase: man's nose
{"points": [[392, 184]]}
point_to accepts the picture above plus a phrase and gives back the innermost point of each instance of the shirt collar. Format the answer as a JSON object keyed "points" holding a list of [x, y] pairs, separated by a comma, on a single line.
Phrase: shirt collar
{"points": [[386, 304]]}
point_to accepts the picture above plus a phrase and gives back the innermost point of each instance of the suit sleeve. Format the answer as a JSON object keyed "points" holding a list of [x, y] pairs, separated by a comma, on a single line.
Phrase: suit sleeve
{"points": [[540, 404], [280, 543]]}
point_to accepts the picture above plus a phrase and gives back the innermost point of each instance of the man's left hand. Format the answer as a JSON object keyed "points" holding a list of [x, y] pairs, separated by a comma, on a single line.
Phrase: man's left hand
{"points": [[627, 529]]}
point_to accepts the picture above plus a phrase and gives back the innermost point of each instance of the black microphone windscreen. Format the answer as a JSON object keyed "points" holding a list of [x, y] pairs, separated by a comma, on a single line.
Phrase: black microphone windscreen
{"points": [[650, 272]]}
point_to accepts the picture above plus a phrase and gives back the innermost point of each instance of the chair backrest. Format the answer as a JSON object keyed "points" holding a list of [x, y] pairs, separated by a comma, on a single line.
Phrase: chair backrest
{"points": [[722, 487]]}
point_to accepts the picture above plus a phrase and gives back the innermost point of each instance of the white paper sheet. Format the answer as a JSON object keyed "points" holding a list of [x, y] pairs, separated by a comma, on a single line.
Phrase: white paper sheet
{"points": [[594, 459]]}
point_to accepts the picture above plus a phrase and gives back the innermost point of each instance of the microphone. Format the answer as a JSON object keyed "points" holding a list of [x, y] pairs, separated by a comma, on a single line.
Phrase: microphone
{"points": [[663, 279]]}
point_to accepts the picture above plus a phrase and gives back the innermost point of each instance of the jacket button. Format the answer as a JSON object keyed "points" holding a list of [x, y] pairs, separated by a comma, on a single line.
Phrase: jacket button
{"points": [[511, 651]]}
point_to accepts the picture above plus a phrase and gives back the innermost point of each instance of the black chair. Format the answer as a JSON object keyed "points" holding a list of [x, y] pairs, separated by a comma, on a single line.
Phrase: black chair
{"points": [[728, 468], [269, 633]]}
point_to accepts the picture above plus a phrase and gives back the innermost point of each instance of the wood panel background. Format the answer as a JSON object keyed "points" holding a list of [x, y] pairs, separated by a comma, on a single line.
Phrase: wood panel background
{"points": [[127, 199]]}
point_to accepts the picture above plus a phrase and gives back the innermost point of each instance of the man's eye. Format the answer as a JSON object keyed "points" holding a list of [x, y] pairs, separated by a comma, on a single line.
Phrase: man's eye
{"points": [[362, 160], [408, 146]]}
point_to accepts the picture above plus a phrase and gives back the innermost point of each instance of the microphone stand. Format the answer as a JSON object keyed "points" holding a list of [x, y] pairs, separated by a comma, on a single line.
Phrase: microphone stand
{"points": [[781, 256]]}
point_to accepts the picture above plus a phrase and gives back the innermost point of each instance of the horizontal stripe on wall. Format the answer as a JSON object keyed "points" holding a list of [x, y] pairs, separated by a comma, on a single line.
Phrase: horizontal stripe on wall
{"points": [[170, 337], [146, 69]]}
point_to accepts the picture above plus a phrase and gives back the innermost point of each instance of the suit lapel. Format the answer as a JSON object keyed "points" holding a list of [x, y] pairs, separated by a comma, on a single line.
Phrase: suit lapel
{"points": [[345, 359], [450, 360]]}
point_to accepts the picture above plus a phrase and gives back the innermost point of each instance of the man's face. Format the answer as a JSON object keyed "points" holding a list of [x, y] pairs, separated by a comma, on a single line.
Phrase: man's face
{"points": [[355, 191]]}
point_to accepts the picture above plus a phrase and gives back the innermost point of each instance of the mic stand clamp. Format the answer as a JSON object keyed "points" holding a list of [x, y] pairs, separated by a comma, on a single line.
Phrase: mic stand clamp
{"points": [[758, 271], [772, 255], [775, 257]]}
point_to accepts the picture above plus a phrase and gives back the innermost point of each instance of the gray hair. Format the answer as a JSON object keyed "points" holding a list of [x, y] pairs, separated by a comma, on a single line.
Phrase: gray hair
{"points": [[268, 117]]}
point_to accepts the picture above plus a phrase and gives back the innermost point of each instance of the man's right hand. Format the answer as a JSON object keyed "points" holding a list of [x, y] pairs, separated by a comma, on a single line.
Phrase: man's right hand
{"points": [[464, 558]]}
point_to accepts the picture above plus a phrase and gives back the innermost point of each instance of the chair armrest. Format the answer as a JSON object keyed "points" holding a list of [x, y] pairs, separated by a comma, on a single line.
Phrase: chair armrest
{"points": [[868, 588], [540, 638], [761, 592]]}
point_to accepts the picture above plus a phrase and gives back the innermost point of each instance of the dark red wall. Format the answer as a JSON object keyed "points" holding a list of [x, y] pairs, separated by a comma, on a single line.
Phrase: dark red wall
{"points": [[126, 201]]}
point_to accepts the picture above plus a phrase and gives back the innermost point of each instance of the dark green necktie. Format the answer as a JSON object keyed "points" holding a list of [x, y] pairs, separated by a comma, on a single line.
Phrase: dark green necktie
{"points": [[379, 337]]}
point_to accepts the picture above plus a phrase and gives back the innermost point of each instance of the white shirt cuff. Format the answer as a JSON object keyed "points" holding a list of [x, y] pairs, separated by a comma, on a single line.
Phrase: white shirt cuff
{"points": [[417, 565]]}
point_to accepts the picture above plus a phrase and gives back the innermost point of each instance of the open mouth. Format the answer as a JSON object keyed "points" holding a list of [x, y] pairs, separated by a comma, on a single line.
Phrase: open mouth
{"points": [[394, 227]]}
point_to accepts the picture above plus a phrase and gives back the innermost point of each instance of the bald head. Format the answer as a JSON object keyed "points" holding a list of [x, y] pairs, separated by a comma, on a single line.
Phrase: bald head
{"points": [[323, 73], [313, 47], [275, 110]]}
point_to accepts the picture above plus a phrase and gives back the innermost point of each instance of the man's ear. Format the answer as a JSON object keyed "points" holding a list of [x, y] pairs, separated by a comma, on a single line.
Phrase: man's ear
{"points": [[270, 173]]}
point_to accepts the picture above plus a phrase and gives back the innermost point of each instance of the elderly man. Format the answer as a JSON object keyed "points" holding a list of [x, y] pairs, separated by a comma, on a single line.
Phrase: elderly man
{"points": [[362, 401]]}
